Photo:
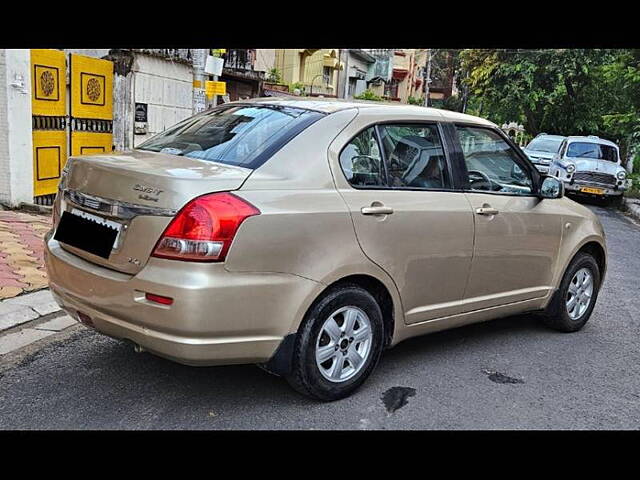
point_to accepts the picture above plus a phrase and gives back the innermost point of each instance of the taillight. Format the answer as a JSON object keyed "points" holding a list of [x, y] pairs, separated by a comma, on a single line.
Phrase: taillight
{"points": [[204, 229]]}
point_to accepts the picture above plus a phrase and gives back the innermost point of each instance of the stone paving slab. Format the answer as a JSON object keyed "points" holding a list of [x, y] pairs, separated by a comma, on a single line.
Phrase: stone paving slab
{"points": [[14, 341], [22, 252], [12, 315], [42, 302], [57, 324], [24, 308]]}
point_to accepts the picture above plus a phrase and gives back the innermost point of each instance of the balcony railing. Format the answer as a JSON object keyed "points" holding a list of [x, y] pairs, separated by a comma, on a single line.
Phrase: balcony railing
{"points": [[240, 59]]}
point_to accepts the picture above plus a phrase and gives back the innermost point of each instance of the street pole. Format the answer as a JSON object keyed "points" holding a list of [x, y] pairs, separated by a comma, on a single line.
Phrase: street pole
{"points": [[199, 97], [427, 79]]}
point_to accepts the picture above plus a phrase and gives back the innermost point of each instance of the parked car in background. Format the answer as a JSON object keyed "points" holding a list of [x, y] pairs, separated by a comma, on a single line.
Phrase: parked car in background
{"points": [[590, 166], [542, 149], [307, 236]]}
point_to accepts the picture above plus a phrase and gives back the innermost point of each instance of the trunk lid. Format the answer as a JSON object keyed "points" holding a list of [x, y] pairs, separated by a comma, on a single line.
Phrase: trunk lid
{"points": [[142, 191]]}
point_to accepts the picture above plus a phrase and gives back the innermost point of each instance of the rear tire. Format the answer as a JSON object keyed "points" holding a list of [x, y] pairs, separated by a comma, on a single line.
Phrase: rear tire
{"points": [[569, 310], [338, 344]]}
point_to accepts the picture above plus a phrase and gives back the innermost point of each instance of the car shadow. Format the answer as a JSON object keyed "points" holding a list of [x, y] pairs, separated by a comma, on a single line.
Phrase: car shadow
{"points": [[597, 202]]}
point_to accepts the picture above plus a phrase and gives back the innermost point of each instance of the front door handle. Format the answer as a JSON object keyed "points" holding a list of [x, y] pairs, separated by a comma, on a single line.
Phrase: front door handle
{"points": [[376, 210], [487, 211]]}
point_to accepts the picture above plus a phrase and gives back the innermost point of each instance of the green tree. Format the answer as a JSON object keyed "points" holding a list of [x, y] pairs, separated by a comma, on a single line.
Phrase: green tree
{"points": [[547, 90]]}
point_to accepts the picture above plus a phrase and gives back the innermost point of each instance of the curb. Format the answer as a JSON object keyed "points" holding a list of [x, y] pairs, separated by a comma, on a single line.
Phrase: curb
{"points": [[632, 206], [28, 318]]}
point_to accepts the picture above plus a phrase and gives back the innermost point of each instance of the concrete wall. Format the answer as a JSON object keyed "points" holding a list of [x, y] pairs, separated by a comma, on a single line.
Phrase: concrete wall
{"points": [[16, 145], [265, 59], [166, 87]]}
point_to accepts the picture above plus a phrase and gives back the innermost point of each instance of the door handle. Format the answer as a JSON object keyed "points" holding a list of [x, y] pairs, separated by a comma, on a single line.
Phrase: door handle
{"points": [[376, 210], [487, 211]]}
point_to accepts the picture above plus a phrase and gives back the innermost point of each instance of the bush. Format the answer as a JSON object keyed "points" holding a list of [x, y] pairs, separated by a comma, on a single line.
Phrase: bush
{"points": [[634, 191], [415, 101], [368, 95], [274, 76]]}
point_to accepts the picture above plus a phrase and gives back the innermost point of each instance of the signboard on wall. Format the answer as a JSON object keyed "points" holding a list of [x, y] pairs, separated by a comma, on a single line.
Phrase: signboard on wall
{"points": [[140, 124], [141, 112], [215, 88]]}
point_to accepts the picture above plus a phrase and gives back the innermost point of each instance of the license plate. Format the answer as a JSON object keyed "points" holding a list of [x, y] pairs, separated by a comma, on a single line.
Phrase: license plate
{"points": [[597, 191], [103, 221], [88, 232]]}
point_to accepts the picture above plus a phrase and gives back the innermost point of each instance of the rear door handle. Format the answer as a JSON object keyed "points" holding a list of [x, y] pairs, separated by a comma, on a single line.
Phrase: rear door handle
{"points": [[487, 211], [378, 210]]}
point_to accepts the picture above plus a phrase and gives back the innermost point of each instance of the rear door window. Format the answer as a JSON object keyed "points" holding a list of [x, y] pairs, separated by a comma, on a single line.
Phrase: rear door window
{"points": [[414, 156]]}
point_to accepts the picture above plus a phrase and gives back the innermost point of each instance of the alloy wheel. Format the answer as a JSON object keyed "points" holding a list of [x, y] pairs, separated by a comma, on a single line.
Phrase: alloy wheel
{"points": [[344, 344], [580, 293]]}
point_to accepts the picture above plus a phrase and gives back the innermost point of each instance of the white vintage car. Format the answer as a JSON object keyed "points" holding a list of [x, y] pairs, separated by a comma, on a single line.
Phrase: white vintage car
{"points": [[590, 166]]}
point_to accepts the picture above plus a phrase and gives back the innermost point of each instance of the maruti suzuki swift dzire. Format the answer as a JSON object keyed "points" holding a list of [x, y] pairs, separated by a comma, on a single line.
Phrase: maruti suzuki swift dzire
{"points": [[307, 236]]}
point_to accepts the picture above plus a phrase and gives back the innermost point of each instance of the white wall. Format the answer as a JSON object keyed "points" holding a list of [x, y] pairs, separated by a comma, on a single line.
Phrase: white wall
{"points": [[16, 145], [166, 87], [265, 59]]}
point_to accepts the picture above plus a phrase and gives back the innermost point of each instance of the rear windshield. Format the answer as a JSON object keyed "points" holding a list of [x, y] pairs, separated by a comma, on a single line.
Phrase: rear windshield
{"points": [[545, 144], [235, 135], [592, 150]]}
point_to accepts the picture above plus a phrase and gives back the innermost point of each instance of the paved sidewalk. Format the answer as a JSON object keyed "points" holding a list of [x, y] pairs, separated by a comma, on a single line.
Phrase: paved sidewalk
{"points": [[21, 252]]}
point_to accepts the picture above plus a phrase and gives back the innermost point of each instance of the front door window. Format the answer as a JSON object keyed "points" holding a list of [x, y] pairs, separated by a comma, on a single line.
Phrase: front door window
{"points": [[492, 165]]}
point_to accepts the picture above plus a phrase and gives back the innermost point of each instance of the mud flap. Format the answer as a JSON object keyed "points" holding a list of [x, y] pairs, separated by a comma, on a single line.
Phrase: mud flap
{"points": [[280, 362]]}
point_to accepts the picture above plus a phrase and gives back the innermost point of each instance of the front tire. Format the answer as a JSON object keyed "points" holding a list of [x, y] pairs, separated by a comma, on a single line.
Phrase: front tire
{"points": [[338, 344], [615, 201], [574, 301]]}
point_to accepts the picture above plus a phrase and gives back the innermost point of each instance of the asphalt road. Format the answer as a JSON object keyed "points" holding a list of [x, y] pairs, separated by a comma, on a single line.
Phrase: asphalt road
{"points": [[449, 380]]}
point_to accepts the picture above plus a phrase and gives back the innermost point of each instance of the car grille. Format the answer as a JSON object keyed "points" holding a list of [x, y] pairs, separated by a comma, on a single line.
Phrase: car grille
{"points": [[595, 177], [540, 160]]}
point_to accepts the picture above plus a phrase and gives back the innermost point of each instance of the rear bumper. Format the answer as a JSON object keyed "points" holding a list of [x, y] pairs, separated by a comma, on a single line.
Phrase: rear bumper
{"points": [[217, 317]]}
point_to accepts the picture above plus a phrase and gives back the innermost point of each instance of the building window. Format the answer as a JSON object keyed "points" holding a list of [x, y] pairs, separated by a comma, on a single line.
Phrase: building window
{"points": [[327, 74]]}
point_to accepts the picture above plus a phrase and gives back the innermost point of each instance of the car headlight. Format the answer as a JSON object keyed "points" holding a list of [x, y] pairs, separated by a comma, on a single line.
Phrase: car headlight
{"points": [[621, 175], [571, 168]]}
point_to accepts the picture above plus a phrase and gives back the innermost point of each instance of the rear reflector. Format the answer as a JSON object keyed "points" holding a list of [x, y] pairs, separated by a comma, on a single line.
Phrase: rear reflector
{"points": [[158, 299], [85, 319]]}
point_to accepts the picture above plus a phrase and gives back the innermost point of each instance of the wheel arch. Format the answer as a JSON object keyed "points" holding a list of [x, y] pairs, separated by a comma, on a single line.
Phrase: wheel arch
{"points": [[379, 291], [596, 250], [280, 362]]}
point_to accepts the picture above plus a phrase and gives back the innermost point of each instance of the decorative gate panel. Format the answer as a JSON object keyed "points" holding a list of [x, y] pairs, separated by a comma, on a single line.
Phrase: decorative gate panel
{"points": [[48, 104], [91, 105]]}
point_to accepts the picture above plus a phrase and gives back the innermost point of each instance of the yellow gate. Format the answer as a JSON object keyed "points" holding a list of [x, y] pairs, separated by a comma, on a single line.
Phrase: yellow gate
{"points": [[91, 105], [82, 126], [48, 104]]}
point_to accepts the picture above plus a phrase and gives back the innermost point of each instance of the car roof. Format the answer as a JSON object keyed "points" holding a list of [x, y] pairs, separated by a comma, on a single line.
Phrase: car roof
{"points": [[592, 139], [559, 137], [331, 105]]}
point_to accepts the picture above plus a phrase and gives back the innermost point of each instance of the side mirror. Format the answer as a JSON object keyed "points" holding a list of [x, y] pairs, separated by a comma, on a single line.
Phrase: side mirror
{"points": [[551, 188]]}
